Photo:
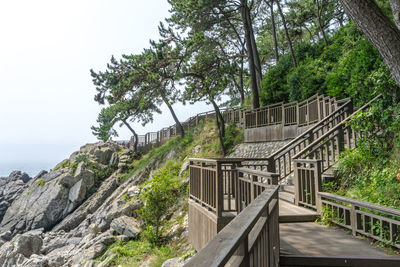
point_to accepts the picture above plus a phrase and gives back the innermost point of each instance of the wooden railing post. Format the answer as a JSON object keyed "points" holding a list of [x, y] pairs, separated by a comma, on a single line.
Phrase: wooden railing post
{"points": [[283, 115], [296, 184], [271, 165], [353, 219], [340, 140], [201, 180], [318, 185], [219, 190]]}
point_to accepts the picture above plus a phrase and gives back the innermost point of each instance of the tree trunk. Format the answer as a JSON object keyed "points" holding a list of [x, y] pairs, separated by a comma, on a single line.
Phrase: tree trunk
{"points": [[256, 55], [395, 4], [177, 122], [219, 119], [271, 9], [287, 34], [321, 28], [135, 143], [241, 80], [379, 30], [250, 54]]}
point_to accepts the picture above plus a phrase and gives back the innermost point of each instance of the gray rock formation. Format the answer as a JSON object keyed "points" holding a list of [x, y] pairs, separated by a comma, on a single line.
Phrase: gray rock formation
{"points": [[59, 220], [11, 187], [125, 225], [53, 196]]}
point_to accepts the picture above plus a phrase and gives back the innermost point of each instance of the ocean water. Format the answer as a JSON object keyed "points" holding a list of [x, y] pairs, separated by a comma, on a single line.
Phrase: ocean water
{"points": [[30, 167]]}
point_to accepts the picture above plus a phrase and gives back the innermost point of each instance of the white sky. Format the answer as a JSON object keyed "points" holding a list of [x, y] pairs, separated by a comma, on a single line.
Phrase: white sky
{"points": [[47, 48]]}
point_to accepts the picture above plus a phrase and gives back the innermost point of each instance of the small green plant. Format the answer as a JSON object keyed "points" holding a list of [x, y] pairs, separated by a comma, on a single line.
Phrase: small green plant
{"points": [[40, 182], [63, 164], [188, 254], [326, 216], [158, 195]]}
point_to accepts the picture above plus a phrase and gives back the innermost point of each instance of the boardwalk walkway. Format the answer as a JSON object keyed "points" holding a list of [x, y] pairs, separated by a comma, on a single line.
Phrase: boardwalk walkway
{"points": [[312, 239]]}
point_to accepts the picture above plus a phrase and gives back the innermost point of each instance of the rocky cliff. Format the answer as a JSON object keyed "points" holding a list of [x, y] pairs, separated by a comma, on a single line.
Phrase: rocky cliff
{"points": [[70, 215]]}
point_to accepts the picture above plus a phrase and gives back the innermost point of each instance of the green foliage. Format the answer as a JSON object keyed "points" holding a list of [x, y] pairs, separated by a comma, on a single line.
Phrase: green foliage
{"points": [[326, 216], [136, 252], [369, 172], [63, 164], [40, 182], [233, 136], [158, 195], [348, 67]]}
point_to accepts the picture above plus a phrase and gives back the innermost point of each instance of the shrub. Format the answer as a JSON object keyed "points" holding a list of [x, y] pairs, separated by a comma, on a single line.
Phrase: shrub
{"points": [[158, 195]]}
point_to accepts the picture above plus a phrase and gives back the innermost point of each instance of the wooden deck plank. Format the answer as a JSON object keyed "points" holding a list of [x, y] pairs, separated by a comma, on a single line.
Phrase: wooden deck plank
{"points": [[320, 240]]}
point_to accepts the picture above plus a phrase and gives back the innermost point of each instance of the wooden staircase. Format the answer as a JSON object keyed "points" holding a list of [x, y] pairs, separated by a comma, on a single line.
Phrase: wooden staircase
{"points": [[271, 228]]}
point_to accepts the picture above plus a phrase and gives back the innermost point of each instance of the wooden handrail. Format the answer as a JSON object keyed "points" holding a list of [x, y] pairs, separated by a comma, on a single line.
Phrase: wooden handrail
{"points": [[257, 172], [302, 136], [335, 128], [222, 247], [361, 204]]}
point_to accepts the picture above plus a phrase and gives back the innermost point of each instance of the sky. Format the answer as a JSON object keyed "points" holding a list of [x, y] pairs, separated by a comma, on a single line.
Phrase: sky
{"points": [[47, 48]]}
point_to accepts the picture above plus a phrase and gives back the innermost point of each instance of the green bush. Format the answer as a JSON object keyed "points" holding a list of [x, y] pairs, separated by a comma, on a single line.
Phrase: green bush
{"points": [[159, 194], [348, 67], [369, 172], [233, 136]]}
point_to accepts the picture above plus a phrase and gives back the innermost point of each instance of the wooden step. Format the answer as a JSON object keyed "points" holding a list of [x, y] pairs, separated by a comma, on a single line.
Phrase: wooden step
{"points": [[286, 196]]}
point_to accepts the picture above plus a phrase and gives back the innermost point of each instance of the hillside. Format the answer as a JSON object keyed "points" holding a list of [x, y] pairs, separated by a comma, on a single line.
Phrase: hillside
{"points": [[102, 207]]}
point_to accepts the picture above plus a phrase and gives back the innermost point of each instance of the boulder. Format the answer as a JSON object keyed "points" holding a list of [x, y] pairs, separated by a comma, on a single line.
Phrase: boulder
{"points": [[10, 189], [40, 174], [43, 204], [76, 195], [18, 175], [114, 159], [20, 248], [125, 225]]}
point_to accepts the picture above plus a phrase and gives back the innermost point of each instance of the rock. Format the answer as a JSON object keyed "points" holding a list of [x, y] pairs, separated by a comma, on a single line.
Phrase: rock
{"points": [[174, 262], [185, 167], [133, 191], [66, 178], [10, 189], [76, 195], [6, 236], [125, 225], [28, 244], [114, 159], [87, 176], [40, 174], [18, 175]]}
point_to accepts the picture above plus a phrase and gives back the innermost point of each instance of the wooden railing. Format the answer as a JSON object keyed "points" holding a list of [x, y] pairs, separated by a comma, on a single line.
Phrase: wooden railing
{"points": [[148, 140], [374, 221], [220, 184], [302, 113], [251, 239], [323, 152], [307, 181], [251, 183], [281, 160]]}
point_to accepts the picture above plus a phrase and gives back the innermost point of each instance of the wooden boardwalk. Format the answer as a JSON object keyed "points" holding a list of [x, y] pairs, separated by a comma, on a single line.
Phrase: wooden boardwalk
{"points": [[319, 240]]}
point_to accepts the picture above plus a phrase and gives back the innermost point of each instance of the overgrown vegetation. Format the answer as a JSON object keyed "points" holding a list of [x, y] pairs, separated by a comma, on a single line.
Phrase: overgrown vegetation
{"points": [[371, 172], [348, 67]]}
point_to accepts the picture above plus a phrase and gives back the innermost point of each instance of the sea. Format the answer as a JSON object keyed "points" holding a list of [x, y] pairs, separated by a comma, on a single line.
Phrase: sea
{"points": [[30, 167]]}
